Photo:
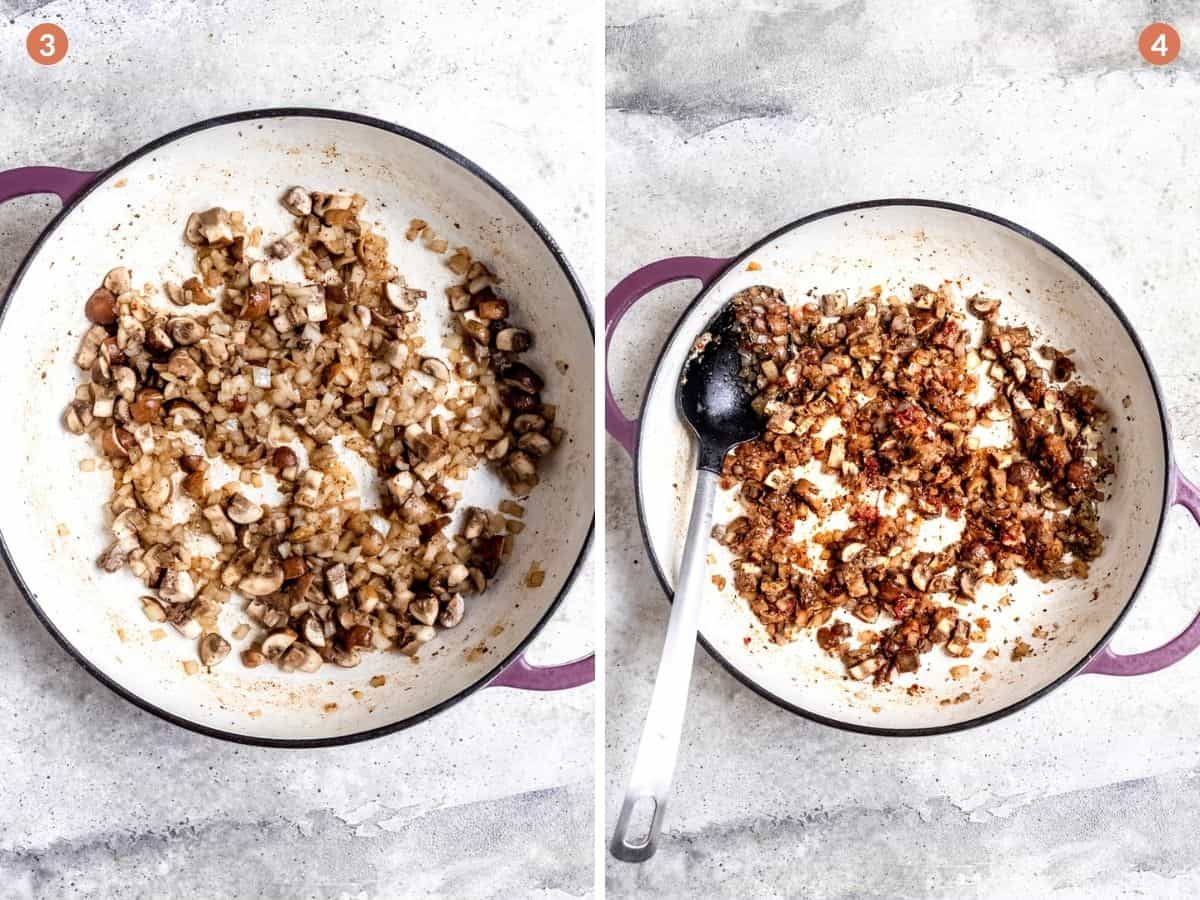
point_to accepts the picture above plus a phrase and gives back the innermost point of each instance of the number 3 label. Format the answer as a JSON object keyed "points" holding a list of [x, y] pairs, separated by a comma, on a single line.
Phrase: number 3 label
{"points": [[1159, 43], [46, 44]]}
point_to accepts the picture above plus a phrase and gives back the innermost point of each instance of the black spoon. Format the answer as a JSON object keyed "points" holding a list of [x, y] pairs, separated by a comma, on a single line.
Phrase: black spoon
{"points": [[715, 401]]}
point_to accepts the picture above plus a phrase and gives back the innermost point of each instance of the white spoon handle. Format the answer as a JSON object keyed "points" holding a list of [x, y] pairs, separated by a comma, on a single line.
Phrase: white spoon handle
{"points": [[659, 747]]}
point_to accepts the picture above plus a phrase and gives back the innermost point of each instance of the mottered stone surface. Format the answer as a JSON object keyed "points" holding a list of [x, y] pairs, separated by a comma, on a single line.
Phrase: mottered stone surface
{"points": [[726, 121], [492, 798]]}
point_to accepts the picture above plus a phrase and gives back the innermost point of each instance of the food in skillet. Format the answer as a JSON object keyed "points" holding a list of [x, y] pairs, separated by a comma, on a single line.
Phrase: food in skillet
{"points": [[887, 417], [256, 385]]}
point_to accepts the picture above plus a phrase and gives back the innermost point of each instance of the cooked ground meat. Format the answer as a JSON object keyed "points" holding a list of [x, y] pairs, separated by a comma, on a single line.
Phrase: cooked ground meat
{"points": [[1021, 472]]}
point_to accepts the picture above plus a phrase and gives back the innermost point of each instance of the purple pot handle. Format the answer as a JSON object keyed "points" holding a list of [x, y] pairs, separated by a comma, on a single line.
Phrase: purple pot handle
{"points": [[523, 676], [628, 291], [1187, 495], [43, 180]]}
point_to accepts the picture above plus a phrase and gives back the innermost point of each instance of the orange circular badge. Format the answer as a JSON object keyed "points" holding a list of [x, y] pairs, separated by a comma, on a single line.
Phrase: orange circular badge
{"points": [[46, 44], [1159, 43]]}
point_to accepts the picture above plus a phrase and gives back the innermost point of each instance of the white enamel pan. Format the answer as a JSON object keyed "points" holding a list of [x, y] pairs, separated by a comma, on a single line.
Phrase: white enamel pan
{"points": [[1067, 624], [52, 523]]}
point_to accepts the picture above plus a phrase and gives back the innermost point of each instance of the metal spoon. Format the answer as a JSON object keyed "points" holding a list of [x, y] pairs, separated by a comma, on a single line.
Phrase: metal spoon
{"points": [[715, 402]]}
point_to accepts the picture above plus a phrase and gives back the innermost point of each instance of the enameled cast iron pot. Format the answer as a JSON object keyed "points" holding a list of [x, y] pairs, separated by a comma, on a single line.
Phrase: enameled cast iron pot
{"points": [[52, 523], [896, 243]]}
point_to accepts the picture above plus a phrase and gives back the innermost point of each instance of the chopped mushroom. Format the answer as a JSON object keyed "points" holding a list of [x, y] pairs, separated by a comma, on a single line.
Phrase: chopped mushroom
{"points": [[300, 656], [242, 511], [333, 362], [274, 644], [899, 378], [298, 202], [262, 584], [213, 648]]}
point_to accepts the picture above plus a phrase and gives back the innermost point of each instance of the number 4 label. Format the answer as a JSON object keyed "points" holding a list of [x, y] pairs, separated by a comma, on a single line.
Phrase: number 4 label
{"points": [[1159, 43]]}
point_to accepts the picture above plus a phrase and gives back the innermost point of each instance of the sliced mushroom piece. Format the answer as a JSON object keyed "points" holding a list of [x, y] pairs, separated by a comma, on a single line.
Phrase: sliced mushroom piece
{"points": [[983, 307], [177, 586], [427, 445], [118, 280], [194, 292], [276, 643], [213, 649], [116, 442], [513, 340], [868, 666], [492, 309], [868, 612], [521, 464], [920, 577], [300, 656], [101, 307], [157, 339], [968, 582], [147, 406], [476, 329], [76, 417], [837, 454], [188, 627], [452, 612], [527, 422], [174, 293], [252, 659], [346, 657], [424, 610], [242, 511], [125, 382], [284, 246], [191, 231], [487, 554], [155, 496], [89, 346], [417, 637], [259, 584], [850, 551], [298, 201], [113, 557], [222, 528], [833, 304], [1016, 365], [335, 578], [520, 376], [398, 294], [185, 330], [456, 575], [312, 630], [183, 367], [944, 621], [435, 368], [499, 449], [215, 227], [958, 643], [394, 353], [474, 523], [127, 526], [310, 487], [535, 443], [256, 303]]}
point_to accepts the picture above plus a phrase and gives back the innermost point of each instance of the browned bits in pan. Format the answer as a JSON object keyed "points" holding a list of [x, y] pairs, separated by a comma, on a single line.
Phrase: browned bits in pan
{"points": [[264, 379], [905, 378]]}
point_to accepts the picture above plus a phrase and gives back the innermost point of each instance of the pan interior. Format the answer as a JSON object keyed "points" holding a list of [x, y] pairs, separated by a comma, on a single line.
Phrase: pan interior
{"points": [[896, 246], [53, 522]]}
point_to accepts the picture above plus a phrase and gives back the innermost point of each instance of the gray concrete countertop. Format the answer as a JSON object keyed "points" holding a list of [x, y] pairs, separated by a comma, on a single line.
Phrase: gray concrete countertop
{"points": [[726, 122], [493, 798]]}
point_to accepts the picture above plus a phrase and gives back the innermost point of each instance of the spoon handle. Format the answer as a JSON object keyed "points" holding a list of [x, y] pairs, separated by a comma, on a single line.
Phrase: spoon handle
{"points": [[655, 761]]}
